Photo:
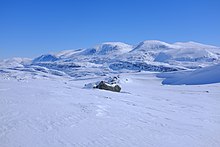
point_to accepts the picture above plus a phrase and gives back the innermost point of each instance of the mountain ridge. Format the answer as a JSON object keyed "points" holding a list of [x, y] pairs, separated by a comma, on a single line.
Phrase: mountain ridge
{"points": [[116, 57]]}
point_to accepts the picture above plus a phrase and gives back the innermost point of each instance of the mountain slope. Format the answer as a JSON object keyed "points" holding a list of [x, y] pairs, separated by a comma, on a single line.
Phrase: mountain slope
{"points": [[117, 57], [45, 58], [108, 48], [152, 45]]}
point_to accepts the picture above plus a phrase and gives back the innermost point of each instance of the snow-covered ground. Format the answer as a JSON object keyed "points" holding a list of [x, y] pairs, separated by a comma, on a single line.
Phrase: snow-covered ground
{"points": [[170, 97], [58, 112], [206, 75]]}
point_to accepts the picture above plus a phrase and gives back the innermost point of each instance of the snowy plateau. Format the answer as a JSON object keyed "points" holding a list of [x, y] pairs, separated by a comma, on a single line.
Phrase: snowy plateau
{"points": [[170, 97]]}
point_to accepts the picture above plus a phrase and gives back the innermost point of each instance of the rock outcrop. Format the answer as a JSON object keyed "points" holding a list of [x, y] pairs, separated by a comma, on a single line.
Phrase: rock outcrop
{"points": [[106, 86]]}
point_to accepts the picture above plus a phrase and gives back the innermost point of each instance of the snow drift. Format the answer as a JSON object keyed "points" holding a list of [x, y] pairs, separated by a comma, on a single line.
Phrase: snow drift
{"points": [[205, 75]]}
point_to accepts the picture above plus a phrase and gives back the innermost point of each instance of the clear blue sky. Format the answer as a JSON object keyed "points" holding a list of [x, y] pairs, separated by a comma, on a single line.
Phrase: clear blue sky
{"points": [[29, 28]]}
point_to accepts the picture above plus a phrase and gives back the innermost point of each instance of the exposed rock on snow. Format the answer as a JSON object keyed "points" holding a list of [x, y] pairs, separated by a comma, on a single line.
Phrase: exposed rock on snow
{"points": [[110, 83], [111, 87]]}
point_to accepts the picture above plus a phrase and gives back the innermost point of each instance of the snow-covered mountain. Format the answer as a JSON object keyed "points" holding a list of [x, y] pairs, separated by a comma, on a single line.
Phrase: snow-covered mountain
{"points": [[108, 48], [45, 58], [152, 45]]}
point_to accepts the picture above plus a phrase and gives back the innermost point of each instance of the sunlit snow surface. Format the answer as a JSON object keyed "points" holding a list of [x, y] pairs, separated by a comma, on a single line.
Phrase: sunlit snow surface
{"points": [[206, 75], [48, 101], [56, 111]]}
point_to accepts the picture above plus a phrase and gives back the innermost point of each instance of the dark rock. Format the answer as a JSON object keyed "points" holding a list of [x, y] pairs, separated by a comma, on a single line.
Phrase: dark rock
{"points": [[106, 86]]}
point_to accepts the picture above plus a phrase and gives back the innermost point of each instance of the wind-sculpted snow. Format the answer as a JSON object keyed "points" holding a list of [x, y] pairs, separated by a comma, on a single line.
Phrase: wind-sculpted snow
{"points": [[206, 75], [58, 112]]}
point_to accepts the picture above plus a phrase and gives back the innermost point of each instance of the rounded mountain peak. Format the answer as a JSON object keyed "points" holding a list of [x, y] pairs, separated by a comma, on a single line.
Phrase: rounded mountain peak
{"points": [[108, 48], [153, 45]]}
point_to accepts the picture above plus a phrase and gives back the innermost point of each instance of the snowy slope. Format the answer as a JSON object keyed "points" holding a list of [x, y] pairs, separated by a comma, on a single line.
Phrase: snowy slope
{"points": [[45, 58], [59, 112], [188, 51], [152, 45], [108, 48], [192, 44], [14, 62], [68, 53], [205, 75], [186, 54]]}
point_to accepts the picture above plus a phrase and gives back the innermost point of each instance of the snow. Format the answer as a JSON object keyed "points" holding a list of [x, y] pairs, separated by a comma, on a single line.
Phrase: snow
{"points": [[206, 75], [186, 55], [59, 112], [68, 53], [192, 44], [169, 97], [152, 45], [14, 62], [108, 48], [113, 46], [45, 58], [150, 55]]}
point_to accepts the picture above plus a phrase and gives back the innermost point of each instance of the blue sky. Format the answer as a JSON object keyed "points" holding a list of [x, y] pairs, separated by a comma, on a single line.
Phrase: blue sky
{"points": [[29, 28]]}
